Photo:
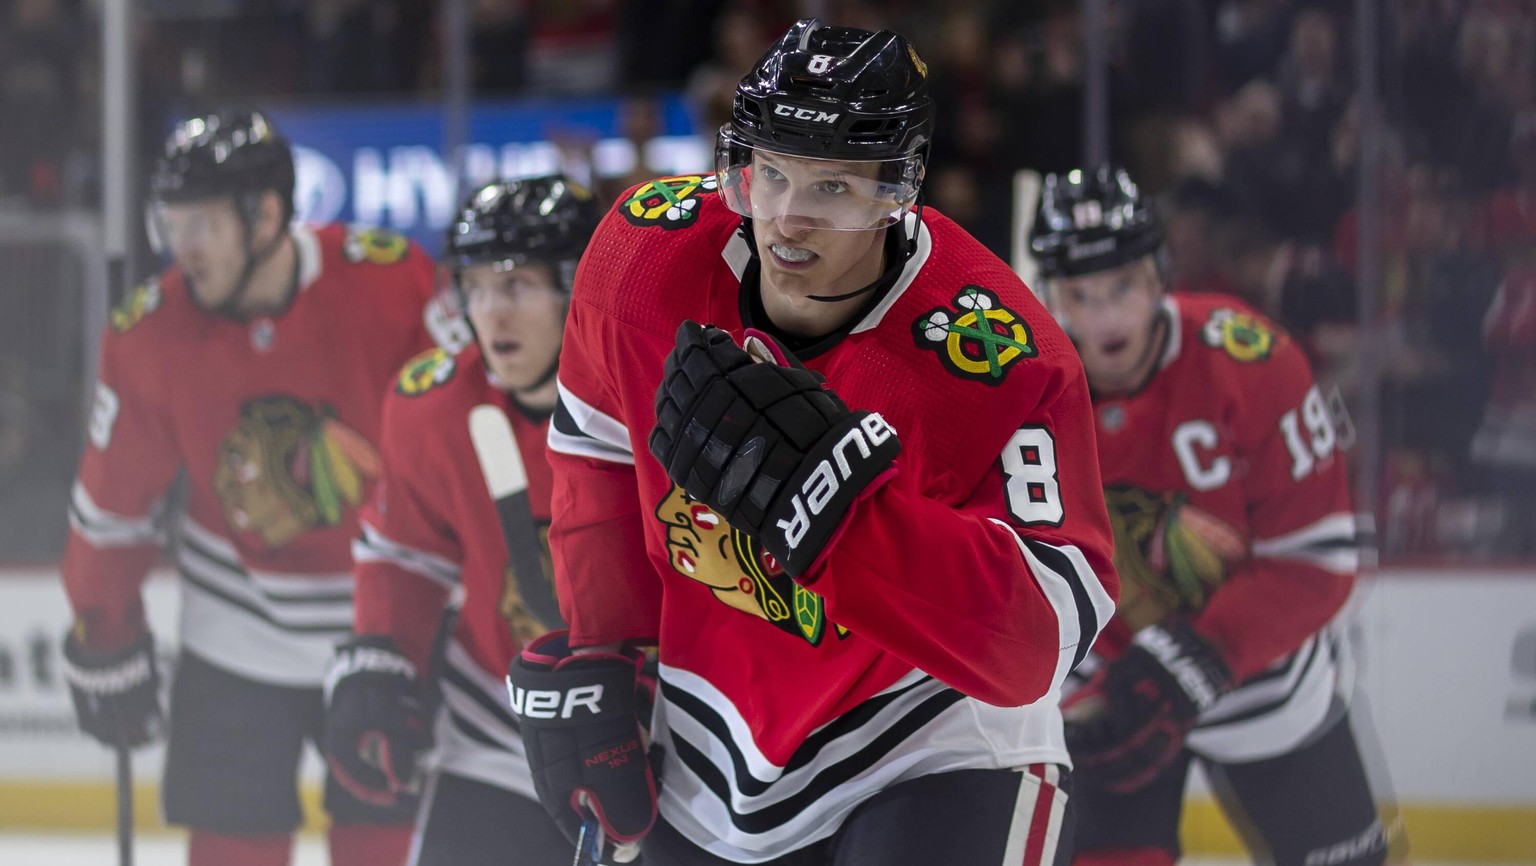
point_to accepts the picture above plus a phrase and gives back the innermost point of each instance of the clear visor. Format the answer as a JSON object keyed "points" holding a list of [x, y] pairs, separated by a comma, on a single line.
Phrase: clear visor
{"points": [[835, 194], [171, 228]]}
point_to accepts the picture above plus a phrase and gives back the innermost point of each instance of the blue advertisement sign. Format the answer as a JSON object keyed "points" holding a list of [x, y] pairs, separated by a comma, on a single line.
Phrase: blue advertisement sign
{"points": [[383, 164]]}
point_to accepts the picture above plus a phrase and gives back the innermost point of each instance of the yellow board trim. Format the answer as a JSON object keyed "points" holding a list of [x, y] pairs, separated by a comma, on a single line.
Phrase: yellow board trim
{"points": [[1476, 834]]}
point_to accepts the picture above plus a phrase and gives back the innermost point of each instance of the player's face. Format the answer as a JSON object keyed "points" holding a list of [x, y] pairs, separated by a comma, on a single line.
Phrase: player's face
{"points": [[1111, 316], [800, 254], [518, 314], [207, 239]]}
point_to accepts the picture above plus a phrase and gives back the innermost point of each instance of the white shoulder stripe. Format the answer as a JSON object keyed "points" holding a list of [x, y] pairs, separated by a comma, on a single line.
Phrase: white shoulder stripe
{"points": [[103, 528], [581, 429], [374, 546]]}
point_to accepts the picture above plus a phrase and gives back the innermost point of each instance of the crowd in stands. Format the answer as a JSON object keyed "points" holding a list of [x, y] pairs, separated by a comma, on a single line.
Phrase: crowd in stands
{"points": [[1241, 115]]}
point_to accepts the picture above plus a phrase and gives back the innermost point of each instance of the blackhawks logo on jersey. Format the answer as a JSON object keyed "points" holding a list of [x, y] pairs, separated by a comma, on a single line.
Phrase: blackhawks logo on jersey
{"points": [[141, 301], [669, 202], [375, 246], [740, 573], [978, 339], [1240, 335], [425, 372], [287, 468], [1170, 555]]}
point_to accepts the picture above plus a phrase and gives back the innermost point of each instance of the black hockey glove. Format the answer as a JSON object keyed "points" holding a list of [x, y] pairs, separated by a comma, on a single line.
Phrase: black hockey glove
{"points": [[1128, 725], [577, 715], [377, 730], [764, 443], [116, 695]]}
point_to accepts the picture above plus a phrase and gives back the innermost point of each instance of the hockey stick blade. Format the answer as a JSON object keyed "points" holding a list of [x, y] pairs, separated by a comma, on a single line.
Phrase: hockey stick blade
{"points": [[501, 463]]}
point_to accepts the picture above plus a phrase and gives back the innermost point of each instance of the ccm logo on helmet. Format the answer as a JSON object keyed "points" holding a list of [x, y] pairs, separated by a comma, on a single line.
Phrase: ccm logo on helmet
{"points": [[811, 114], [552, 703], [822, 484]]}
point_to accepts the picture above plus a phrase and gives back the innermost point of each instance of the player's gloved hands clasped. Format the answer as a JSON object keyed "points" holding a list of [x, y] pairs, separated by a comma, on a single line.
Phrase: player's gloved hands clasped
{"points": [[1129, 723], [377, 731], [585, 747], [765, 445], [116, 694]]}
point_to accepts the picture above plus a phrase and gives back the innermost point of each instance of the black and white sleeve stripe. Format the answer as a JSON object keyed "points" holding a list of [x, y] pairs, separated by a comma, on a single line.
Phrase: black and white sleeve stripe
{"points": [[1081, 603], [375, 546], [104, 529], [1331, 544], [580, 429]]}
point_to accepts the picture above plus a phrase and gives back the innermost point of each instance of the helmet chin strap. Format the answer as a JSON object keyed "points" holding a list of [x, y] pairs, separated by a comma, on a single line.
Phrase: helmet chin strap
{"points": [[883, 279], [253, 260]]}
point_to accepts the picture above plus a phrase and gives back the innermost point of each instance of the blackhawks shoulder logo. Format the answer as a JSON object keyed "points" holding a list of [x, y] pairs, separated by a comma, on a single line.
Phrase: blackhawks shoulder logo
{"points": [[287, 468], [1241, 335], [141, 301], [375, 246], [978, 339], [425, 372], [701, 546], [669, 202]]}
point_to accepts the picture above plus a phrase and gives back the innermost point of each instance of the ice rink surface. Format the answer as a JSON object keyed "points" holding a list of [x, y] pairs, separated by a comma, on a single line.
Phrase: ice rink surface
{"points": [[166, 850]]}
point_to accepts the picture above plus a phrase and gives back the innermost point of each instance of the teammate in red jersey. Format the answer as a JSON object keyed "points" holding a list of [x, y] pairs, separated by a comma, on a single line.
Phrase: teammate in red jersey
{"points": [[256, 366], [1235, 544], [866, 576], [432, 533]]}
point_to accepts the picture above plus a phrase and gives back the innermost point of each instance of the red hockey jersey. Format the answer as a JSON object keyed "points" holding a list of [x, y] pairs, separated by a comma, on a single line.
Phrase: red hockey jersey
{"points": [[431, 529], [273, 421], [1230, 458], [958, 595]]}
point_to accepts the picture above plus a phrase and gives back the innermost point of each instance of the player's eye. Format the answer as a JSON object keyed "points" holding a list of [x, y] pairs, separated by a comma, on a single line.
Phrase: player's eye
{"points": [[832, 186], [771, 174]]}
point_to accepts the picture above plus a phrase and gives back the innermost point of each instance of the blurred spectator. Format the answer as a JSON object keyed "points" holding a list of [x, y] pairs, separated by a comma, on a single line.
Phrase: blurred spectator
{"points": [[741, 34], [40, 83], [1250, 39]]}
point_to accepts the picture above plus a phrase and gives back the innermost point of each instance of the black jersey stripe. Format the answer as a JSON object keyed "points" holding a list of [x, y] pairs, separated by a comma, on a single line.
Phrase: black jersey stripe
{"points": [[1087, 618], [878, 748]]}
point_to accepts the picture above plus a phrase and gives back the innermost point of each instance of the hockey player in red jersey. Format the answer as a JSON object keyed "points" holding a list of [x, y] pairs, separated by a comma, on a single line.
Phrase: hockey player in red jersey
{"points": [[432, 533], [256, 367], [866, 576], [1235, 546]]}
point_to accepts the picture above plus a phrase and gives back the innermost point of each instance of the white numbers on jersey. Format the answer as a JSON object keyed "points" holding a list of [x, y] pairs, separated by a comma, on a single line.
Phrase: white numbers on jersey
{"points": [[1189, 439], [1320, 439], [103, 416], [1033, 491], [819, 63]]}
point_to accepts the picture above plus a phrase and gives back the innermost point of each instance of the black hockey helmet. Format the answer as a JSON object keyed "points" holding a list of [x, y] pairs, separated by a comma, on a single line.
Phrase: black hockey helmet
{"points": [[1092, 222], [230, 153], [833, 93], [545, 219]]}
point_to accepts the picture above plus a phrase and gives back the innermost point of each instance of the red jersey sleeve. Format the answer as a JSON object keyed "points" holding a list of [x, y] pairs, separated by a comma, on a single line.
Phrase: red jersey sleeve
{"points": [[407, 557], [130, 462], [597, 532], [1303, 555], [999, 595]]}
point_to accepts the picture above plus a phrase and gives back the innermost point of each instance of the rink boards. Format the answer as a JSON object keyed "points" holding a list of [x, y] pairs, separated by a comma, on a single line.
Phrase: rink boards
{"points": [[1447, 676]]}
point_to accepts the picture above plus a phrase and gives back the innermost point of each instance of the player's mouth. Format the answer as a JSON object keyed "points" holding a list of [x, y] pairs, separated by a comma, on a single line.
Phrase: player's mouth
{"points": [[1113, 348], [792, 258], [503, 348]]}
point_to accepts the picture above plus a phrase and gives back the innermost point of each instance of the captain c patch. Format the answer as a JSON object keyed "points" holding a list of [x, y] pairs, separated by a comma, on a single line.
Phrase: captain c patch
{"points": [[979, 339]]}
